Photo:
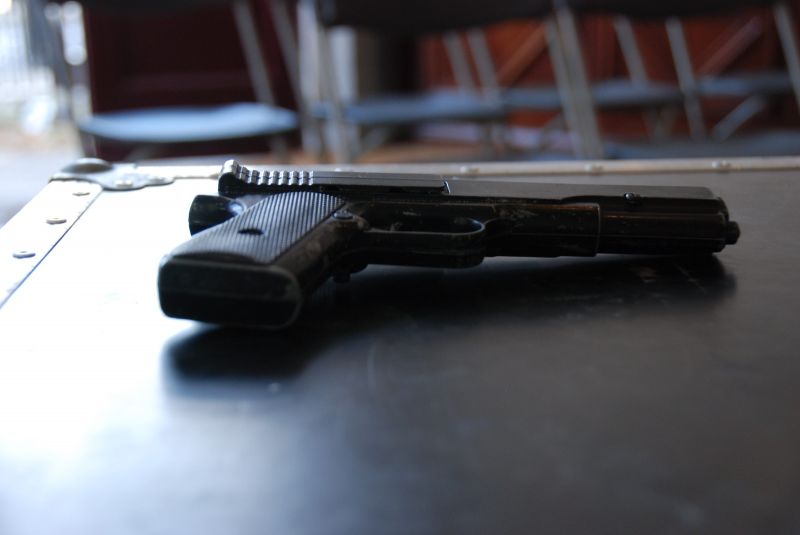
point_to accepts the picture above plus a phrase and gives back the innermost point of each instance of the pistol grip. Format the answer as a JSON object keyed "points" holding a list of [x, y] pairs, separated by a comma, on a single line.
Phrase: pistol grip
{"points": [[256, 268]]}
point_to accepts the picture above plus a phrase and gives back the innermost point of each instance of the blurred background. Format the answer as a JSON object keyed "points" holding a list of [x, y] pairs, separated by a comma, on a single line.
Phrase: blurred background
{"points": [[36, 133], [279, 81]]}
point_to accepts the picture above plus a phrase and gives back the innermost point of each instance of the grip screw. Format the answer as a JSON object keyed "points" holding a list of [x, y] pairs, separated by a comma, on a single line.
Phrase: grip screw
{"points": [[632, 198]]}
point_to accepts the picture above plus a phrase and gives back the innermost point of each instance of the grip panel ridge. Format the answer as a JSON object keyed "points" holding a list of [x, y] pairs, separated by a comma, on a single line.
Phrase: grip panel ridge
{"points": [[266, 230]]}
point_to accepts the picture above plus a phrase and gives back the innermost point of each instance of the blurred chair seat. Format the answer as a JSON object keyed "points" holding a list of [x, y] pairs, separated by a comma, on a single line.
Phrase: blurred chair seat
{"points": [[752, 87], [173, 125], [741, 85], [146, 131], [544, 98], [608, 94], [472, 102], [623, 93], [398, 110]]}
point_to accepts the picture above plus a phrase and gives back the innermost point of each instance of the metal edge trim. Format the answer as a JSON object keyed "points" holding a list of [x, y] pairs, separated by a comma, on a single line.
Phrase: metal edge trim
{"points": [[29, 237]]}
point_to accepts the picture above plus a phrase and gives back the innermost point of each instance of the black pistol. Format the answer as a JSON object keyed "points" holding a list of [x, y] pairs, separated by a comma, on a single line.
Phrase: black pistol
{"points": [[272, 238]]}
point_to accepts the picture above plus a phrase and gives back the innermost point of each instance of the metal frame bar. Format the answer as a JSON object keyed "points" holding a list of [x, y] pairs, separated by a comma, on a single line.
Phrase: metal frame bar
{"points": [[487, 76], [483, 61], [630, 49], [686, 78], [457, 55], [729, 124], [638, 73], [570, 112], [459, 61]]}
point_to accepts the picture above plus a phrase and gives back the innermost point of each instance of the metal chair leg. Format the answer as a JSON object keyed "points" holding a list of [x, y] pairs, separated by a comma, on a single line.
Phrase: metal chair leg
{"points": [[289, 50], [257, 67], [638, 73], [488, 80], [459, 61], [736, 118], [589, 131], [572, 115], [457, 55], [686, 78], [785, 24], [88, 144], [342, 144]]}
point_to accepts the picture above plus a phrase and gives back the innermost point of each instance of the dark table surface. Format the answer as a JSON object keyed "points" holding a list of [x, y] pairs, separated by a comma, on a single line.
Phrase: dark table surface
{"points": [[608, 395]]}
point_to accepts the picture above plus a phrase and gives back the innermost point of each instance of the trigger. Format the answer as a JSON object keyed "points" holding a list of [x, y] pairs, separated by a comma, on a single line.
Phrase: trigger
{"points": [[210, 210]]}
